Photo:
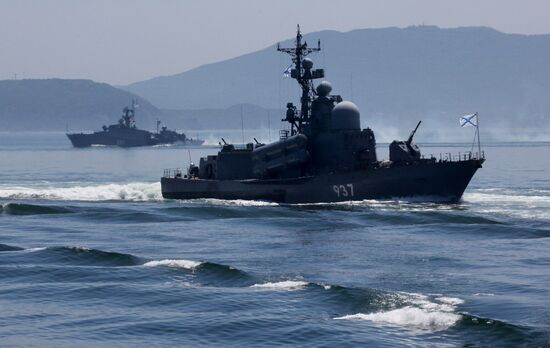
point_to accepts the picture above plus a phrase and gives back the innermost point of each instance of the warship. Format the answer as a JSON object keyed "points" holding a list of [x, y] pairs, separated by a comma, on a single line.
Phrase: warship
{"points": [[323, 156], [126, 134]]}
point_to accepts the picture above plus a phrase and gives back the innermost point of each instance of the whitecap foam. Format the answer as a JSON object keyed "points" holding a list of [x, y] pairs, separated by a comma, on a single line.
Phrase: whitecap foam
{"points": [[282, 285], [419, 311], [78, 248], [484, 294], [32, 250], [137, 191], [187, 264], [450, 300], [409, 317], [234, 202]]}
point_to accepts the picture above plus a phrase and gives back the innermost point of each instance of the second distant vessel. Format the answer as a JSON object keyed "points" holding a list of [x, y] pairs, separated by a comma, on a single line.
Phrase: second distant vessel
{"points": [[126, 134]]}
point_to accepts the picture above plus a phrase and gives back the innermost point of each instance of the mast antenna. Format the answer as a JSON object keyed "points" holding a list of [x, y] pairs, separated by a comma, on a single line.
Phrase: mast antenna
{"points": [[304, 74]]}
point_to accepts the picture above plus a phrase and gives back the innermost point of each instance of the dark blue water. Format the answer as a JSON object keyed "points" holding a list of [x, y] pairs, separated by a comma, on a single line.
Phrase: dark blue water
{"points": [[90, 254]]}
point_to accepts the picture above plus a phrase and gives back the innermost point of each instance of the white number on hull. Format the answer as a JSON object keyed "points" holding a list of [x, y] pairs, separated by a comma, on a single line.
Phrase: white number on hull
{"points": [[343, 190]]}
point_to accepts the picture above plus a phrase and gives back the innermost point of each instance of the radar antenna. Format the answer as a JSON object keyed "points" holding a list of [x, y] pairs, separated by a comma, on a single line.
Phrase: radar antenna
{"points": [[127, 120], [303, 73]]}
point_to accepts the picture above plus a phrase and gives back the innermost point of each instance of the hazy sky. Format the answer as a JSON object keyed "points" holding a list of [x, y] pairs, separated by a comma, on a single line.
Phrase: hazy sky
{"points": [[123, 41]]}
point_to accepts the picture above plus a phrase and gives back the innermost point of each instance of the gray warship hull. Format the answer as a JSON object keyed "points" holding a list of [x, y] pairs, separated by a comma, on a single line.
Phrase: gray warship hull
{"points": [[125, 140], [445, 181]]}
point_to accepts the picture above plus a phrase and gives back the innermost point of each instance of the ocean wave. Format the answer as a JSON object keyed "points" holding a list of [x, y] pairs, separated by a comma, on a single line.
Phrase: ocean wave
{"points": [[187, 264], [409, 317], [137, 191], [484, 294], [418, 311], [82, 256], [31, 209], [5, 247], [32, 250], [450, 300], [282, 285], [206, 273]]}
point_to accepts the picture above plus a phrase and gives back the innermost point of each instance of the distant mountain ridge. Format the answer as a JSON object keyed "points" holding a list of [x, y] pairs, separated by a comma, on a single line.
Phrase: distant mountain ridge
{"points": [[396, 76], [85, 105], [53, 104]]}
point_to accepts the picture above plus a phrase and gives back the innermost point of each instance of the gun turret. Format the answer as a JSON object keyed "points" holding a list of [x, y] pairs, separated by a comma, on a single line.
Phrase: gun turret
{"points": [[409, 141], [405, 151]]}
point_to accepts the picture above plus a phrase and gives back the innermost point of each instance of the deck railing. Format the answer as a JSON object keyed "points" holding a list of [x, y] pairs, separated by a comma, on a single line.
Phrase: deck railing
{"points": [[454, 157], [172, 173], [441, 157]]}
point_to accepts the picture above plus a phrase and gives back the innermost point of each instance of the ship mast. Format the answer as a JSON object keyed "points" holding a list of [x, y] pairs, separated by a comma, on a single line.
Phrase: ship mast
{"points": [[128, 114], [303, 73]]}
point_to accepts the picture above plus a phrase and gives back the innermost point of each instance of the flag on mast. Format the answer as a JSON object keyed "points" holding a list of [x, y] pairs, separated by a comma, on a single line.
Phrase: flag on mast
{"points": [[469, 120], [287, 71]]}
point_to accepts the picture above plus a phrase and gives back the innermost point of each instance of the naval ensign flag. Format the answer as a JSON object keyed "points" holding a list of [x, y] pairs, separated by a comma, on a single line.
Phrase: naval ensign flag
{"points": [[468, 120], [472, 121]]}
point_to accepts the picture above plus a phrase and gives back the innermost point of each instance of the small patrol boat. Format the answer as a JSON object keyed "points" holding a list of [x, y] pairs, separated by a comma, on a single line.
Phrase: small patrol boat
{"points": [[126, 134], [324, 156]]}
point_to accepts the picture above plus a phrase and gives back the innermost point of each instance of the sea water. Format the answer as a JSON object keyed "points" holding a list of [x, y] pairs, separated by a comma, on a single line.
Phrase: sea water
{"points": [[90, 254]]}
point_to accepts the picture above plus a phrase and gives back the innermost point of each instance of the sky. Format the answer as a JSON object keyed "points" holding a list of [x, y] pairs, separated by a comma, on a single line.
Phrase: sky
{"points": [[125, 41]]}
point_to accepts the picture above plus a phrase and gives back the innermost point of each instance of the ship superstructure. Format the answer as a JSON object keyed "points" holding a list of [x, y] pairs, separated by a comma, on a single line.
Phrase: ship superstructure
{"points": [[324, 156]]}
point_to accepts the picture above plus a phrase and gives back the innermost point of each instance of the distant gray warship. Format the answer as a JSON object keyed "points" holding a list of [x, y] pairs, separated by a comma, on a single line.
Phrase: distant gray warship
{"points": [[325, 156], [126, 134]]}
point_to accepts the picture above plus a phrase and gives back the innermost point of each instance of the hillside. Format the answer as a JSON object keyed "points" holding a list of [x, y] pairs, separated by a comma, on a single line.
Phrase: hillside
{"points": [[396, 76], [53, 104], [253, 117]]}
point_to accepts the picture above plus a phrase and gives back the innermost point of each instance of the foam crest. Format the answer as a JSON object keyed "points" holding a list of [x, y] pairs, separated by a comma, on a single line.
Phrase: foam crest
{"points": [[32, 250], [138, 191], [282, 285], [187, 264], [484, 294], [419, 312], [450, 300], [233, 202], [409, 316]]}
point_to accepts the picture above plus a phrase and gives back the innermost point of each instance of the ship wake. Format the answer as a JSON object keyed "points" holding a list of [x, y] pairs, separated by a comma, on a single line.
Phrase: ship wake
{"points": [[136, 191]]}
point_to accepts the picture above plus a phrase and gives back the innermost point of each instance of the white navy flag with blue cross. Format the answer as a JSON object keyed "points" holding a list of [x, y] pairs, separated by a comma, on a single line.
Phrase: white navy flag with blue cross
{"points": [[468, 120]]}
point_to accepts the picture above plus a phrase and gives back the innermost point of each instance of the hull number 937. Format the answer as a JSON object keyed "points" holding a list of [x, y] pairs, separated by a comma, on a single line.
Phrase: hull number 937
{"points": [[345, 190]]}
